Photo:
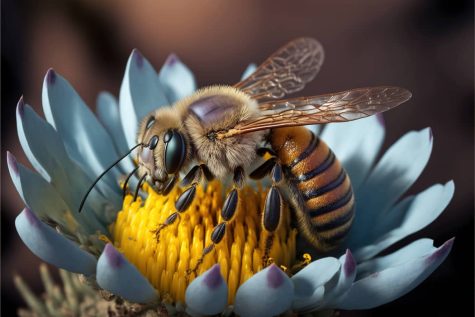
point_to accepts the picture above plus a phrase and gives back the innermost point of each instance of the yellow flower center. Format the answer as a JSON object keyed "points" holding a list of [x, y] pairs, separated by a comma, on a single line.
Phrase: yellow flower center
{"points": [[165, 263]]}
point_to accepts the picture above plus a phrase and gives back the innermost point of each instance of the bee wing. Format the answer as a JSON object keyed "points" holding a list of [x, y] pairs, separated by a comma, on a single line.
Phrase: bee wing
{"points": [[286, 71], [337, 107]]}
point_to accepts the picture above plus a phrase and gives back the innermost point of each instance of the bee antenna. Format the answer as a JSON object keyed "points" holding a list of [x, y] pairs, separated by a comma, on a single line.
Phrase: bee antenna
{"points": [[104, 173]]}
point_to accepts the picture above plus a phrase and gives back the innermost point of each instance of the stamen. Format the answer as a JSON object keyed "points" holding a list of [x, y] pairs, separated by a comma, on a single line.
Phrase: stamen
{"points": [[186, 249]]}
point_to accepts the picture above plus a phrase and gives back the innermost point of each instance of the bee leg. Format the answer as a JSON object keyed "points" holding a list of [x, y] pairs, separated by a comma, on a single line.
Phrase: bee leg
{"points": [[124, 187], [181, 205], [272, 214], [264, 169], [264, 150], [139, 184], [193, 177], [227, 213]]}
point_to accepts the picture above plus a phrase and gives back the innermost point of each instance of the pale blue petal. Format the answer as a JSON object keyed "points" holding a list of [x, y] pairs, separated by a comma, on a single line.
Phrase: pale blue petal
{"points": [[397, 170], [267, 293], [20, 117], [356, 144], [85, 139], [315, 128], [118, 276], [251, 68], [393, 282], [52, 247], [408, 216], [413, 250], [346, 277], [108, 113], [43, 146], [177, 79], [207, 294], [140, 93], [310, 283], [41, 197]]}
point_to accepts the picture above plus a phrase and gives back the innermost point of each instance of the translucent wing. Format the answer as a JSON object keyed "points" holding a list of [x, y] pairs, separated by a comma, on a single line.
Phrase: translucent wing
{"points": [[286, 71], [337, 107]]}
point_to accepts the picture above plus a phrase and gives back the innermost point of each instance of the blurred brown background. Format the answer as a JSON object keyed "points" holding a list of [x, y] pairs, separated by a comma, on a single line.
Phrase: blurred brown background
{"points": [[425, 46]]}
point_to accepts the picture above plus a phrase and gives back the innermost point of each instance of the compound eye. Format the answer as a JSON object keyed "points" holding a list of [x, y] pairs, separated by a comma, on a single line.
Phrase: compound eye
{"points": [[150, 123], [175, 151], [153, 142], [168, 136]]}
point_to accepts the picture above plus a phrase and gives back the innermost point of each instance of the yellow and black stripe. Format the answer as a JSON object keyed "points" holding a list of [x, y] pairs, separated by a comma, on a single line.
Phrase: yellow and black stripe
{"points": [[322, 195]]}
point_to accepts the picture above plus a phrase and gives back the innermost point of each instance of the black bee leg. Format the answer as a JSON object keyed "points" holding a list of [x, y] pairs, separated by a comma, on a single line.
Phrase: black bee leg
{"points": [[181, 205], [169, 185], [273, 207], [227, 213], [184, 201], [271, 218], [264, 150], [124, 187], [264, 169], [139, 184], [238, 178]]}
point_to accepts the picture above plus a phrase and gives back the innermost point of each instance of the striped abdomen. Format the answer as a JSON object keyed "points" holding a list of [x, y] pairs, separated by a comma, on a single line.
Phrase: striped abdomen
{"points": [[321, 190]]}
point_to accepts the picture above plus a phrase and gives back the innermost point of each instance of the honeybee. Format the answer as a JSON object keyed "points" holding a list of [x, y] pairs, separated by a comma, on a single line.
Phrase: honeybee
{"points": [[220, 130]]}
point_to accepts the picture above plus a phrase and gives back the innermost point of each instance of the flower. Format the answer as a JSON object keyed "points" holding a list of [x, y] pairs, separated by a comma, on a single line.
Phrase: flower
{"points": [[73, 147]]}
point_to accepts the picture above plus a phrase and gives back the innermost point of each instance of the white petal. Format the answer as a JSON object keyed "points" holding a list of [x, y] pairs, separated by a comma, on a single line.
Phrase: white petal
{"points": [[408, 216], [207, 294], [310, 281], [397, 170], [177, 79], [356, 144], [393, 282], [268, 293], [140, 93], [85, 139]]}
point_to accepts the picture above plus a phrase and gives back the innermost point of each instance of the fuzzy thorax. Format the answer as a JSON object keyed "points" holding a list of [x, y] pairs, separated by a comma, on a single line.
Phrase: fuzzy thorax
{"points": [[203, 120]]}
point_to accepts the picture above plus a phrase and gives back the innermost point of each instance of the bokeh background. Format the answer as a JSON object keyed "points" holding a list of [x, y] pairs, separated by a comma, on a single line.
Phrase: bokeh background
{"points": [[425, 46]]}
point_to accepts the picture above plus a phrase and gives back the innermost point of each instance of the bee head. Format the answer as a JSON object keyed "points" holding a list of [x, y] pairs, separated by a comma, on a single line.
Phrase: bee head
{"points": [[163, 153]]}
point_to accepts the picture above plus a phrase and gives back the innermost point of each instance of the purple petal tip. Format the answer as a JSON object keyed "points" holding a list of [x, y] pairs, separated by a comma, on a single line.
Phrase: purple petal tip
{"points": [[12, 163], [442, 251], [31, 217], [172, 59], [350, 264], [51, 76], [380, 118], [138, 57], [20, 107], [275, 276], [213, 278], [113, 256]]}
